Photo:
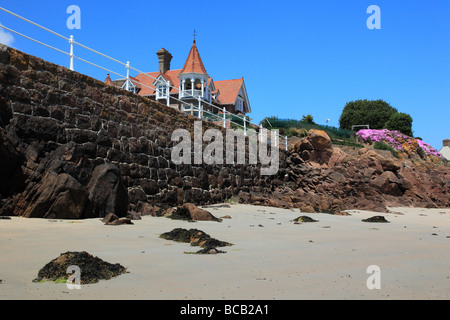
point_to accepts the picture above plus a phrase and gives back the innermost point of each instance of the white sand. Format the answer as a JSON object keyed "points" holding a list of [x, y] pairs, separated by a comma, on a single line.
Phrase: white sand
{"points": [[278, 260]]}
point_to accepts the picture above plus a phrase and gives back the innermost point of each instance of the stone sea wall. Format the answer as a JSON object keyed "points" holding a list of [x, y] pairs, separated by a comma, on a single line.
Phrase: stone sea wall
{"points": [[46, 107]]}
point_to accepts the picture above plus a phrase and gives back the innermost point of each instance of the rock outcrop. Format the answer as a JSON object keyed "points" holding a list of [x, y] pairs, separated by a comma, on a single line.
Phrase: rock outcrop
{"points": [[321, 178]]}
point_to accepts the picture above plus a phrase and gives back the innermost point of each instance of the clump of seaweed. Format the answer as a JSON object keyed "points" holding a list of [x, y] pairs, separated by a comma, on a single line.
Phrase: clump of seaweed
{"points": [[304, 219], [92, 269], [379, 219], [196, 238]]}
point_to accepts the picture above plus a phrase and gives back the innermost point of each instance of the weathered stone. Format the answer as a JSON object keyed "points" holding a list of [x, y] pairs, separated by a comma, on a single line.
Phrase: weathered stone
{"points": [[10, 160], [59, 196], [189, 211], [107, 193]]}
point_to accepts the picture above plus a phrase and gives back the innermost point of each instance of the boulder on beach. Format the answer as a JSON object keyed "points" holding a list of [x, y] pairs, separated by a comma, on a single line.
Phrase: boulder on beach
{"points": [[190, 212]]}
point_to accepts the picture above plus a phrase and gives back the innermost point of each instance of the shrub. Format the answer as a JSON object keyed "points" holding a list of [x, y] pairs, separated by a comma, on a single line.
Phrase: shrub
{"points": [[297, 132], [366, 112], [400, 122], [384, 146]]}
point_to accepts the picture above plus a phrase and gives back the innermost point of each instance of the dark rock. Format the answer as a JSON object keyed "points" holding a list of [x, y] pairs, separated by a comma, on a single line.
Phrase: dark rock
{"points": [[136, 195], [5, 112], [133, 215], [107, 194], [58, 196], [110, 217], [10, 161], [119, 222]]}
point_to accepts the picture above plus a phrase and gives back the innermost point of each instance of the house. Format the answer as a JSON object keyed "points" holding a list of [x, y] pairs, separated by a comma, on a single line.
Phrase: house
{"points": [[189, 89], [445, 151]]}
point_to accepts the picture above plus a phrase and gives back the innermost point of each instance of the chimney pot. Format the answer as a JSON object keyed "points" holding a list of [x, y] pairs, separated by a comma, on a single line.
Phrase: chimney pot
{"points": [[164, 58], [446, 143]]}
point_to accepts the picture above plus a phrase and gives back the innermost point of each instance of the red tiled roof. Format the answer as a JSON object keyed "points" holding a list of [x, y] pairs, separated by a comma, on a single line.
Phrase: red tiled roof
{"points": [[148, 79], [193, 62], [229, 90]]}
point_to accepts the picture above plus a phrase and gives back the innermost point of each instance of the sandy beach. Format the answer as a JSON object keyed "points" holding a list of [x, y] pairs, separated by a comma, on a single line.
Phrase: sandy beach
{"points": [[272, 258]]}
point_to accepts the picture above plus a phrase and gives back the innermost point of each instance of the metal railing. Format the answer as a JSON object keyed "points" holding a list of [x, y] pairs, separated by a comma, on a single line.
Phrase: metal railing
{"points": [[220, 116]]}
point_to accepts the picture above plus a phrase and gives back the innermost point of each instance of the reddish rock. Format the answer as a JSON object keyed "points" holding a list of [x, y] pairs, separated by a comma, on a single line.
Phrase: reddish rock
{"points": [[190, 211]]}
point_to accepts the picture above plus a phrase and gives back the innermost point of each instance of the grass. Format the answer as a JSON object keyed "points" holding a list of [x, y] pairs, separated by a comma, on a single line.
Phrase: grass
{"points": [[384, 146], [346, 143]]}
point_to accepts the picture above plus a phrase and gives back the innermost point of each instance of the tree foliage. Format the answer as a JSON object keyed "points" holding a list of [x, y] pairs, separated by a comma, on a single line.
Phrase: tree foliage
{"points": [[308, 119], [401, 122], [374, 113], [378, 114]]}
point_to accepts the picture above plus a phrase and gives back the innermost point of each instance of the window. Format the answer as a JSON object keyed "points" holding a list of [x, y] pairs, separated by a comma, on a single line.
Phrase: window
{"points": [[131, 86], [239, 105], [161, 91]]}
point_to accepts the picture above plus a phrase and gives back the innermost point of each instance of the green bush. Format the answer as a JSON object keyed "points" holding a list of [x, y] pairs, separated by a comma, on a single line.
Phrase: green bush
{"points": [[400, 122], [374, 113]]}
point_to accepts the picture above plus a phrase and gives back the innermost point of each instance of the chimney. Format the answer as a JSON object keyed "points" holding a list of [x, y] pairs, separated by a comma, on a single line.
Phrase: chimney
{"points": [[446, 143], [164, 58]]}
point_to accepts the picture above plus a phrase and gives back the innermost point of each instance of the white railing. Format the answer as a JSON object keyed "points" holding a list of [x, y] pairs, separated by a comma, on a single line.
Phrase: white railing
{"points": [[220, 116], [190, 93]]}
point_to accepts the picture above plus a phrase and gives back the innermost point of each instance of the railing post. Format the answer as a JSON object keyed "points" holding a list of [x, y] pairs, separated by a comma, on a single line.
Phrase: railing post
{"points": [[245, 127], [285, 139], [224, 117], [260, 133], [168, 93], [127, 81], [199, 107], [71, 41]]}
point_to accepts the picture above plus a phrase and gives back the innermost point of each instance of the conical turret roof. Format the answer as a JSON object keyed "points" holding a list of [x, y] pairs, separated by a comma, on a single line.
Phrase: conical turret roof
{"points": [[194, 62]]}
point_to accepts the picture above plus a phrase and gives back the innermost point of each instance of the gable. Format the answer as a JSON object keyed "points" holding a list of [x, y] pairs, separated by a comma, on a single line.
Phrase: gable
{"points": [[148, 80], [231, 91]]}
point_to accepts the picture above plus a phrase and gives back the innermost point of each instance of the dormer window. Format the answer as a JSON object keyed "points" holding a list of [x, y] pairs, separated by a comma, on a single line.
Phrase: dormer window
{"points": [[240, 105], [129, 85], [161, 91]]}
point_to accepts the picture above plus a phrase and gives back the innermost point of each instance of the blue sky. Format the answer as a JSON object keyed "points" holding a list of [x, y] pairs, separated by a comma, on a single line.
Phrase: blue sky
{"points": [[297, 57]]}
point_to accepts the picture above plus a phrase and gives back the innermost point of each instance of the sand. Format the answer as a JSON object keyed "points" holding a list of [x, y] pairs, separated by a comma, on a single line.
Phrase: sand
{"points": [[272, 258]]}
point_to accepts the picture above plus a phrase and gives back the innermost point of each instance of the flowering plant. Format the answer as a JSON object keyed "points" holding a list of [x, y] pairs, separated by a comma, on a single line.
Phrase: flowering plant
{"points": [[397, 140]]}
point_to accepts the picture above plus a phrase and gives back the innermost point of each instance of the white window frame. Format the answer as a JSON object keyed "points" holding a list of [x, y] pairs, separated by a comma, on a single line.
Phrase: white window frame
{"points": [[239, 106], [162, 91], [131, 86]]}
